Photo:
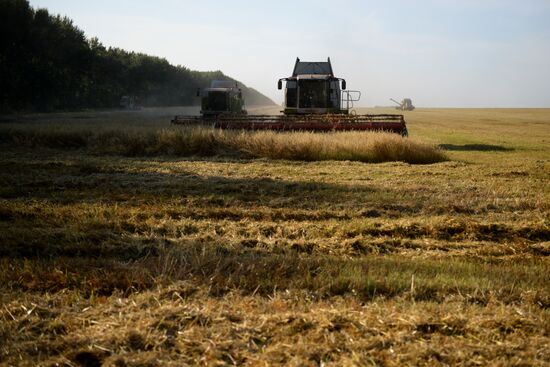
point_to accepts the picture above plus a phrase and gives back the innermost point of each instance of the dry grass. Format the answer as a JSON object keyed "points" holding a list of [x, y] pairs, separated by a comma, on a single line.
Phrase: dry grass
{"points": [[125, 243], [183, 325], [303, 146], [352, 146]]}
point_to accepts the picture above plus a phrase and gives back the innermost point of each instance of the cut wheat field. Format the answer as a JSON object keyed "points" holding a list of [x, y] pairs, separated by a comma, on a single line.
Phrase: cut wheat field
{"points": [[125, 241]]}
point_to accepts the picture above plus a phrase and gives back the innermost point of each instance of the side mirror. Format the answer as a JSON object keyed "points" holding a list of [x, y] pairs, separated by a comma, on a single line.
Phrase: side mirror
{"points": [[198, 92], [240, 94], [280, 84], [343, 84]]}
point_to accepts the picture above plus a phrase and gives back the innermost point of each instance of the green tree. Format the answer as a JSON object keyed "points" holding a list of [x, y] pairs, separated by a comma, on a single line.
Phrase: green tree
{"points": [[46, 63]]}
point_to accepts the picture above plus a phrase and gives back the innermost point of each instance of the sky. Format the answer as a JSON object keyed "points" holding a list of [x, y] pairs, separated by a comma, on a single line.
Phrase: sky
{"points": [[440, 53]]}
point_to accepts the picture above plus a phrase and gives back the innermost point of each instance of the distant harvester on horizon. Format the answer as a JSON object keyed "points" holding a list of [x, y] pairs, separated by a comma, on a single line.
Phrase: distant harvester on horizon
{"points": [[405, 105], [315, 100]]}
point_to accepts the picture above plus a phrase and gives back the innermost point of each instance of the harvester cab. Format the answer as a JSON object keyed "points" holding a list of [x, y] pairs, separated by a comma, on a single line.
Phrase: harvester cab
{"points": [[224, 97], [313, 89]]}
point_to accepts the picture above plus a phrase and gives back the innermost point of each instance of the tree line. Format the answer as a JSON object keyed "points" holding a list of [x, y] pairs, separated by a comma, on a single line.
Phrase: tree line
{"points": [[47, 64]]}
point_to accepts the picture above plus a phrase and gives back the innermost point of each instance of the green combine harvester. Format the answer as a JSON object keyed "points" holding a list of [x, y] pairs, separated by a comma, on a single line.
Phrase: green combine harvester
{"points": [[224, 97], [315, 100]]}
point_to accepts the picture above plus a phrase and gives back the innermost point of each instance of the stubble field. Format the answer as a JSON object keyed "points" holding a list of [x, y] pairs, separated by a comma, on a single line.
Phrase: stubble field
{"points": [[127, 242]]}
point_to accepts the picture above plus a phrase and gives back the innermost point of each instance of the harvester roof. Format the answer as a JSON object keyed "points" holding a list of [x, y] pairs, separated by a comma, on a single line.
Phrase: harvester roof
{"points": [[313, 76], [217, 89], [312, 67], [223, 84]]}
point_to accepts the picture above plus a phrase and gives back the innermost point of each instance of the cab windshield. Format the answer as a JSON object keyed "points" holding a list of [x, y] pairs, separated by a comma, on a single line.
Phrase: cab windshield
{"points": [[313, 93], [215, 101]]}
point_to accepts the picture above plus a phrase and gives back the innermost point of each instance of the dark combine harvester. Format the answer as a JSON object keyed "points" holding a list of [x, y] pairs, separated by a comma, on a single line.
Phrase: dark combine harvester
{"points": [[315, 100]]}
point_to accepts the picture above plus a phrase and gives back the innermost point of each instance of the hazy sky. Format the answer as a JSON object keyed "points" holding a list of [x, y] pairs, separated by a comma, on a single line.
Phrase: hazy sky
{"points": [[441, 53]]}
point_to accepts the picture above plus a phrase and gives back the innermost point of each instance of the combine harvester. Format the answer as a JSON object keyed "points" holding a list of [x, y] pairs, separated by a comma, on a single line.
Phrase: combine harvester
{"points": [[315, 100], [405, 105], [224, 97]]}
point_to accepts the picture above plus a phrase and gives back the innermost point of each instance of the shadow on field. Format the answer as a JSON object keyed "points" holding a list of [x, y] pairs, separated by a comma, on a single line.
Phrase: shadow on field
{"points": [[90, 210], [70, 226], [222, 269], [70, 182], [475, 148]]}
